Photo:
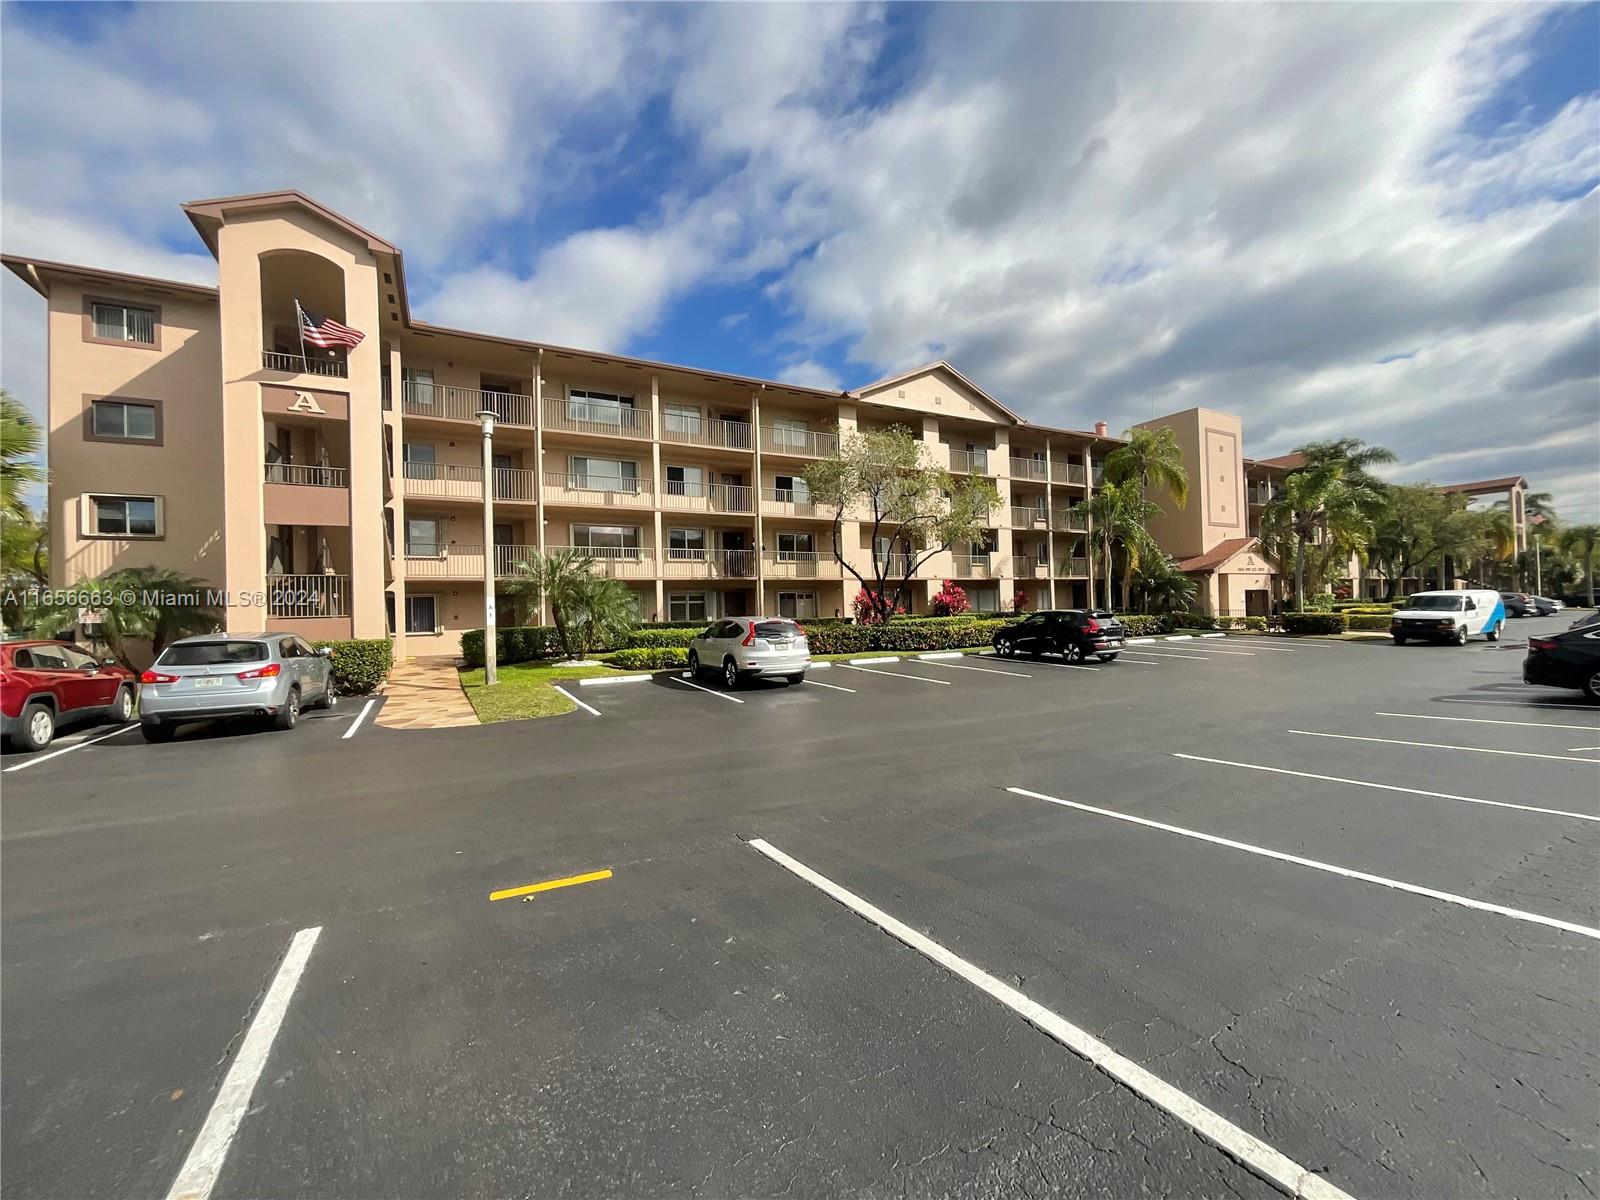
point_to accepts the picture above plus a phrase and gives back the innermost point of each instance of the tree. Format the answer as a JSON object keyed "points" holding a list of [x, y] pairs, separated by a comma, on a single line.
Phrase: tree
{"points": [[1353, 456], [1164, 588], [140, 604], [1119, 517], [588, 610], [1416, 525], [1581, 540], [913, 509], [1317, 507], [950, 600], [24, 566], [20, 441], [1150, 455]]}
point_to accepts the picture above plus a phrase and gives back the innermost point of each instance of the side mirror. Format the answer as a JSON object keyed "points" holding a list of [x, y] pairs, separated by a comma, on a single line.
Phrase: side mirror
{"points": [[108, 662], [324, 651]]}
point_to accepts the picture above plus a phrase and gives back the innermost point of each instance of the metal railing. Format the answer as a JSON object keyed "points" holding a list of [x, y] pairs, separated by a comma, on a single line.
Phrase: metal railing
{"points": [[706, 431], [798, 442], [586, 416], [971, 566], [388, 393], [895, 565], [971, 462], [305, 476], [588, 488], [1021, 566], [1028, 468], [308, 595], [463, 404], [514, 483], [618, 562], [788, 502], [1070, 522], [1073, 568], [436, 560], [1066, 472], [801, 564], [1263, 493], [715, 497], [1024, 517], [271, 360], [1099, 474], [445, 480], [729, 564]]}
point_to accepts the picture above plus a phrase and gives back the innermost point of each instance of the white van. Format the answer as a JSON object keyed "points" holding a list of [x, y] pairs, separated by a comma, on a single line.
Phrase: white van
{"points": [[1449, 617]]}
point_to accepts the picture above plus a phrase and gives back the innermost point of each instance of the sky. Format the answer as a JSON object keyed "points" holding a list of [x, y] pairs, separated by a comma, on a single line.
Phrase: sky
{"points": [[1377, 220]]}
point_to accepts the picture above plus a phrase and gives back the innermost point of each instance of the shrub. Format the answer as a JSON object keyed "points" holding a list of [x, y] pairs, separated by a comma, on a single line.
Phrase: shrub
{"points": [[515, 643], [1302, 623], [661, 638], [905, 635], [1321, 602], [1256, 624], [1143, 624], [1192, 620], [950, 600], [649, 658], [866, 611], [1368, 622], [1020, 601], [1366, 610], [360, 664]]}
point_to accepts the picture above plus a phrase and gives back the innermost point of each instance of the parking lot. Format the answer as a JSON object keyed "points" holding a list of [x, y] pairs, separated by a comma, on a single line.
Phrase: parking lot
{"points": [[1226, 916]]}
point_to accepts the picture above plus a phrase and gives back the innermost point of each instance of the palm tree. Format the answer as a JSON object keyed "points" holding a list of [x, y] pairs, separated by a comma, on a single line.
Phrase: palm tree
{"points": [[20, 441], [588, 610], [1316, 503], [1118, 517], [149, 604], [1582, 540], [1165, 588], [1354, 456], [1151, 455]]}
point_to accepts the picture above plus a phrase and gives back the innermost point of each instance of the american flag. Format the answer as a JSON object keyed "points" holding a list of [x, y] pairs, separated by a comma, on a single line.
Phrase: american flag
{"points": [[325, 331]]}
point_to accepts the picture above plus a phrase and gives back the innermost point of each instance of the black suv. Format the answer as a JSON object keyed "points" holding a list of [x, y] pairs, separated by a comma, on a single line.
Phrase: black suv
{"points": [[1074, 633]]}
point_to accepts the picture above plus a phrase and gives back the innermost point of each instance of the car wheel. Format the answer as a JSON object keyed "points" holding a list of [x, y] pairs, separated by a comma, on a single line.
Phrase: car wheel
{"points": [[38, 727], [1399, 639], [1072, 652], [1106, 657], [330, 698], [122, 707], [694, 665], [1003, 646], [289, 715], [1591, 686], [730, 674], [1461, 635], [1493, 635], [157, 731], [797, 680]]}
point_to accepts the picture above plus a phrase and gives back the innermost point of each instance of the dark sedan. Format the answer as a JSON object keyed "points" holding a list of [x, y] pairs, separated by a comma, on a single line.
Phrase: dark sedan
{"points": [[1566, 660], [1074, 633]]}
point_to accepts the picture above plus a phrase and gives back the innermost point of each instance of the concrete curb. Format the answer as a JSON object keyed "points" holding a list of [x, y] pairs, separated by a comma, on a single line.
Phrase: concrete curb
{"points": [[881, 658], [943, 654], [1213, 635], [604, 679], [1178, 637], [1140, 641]]}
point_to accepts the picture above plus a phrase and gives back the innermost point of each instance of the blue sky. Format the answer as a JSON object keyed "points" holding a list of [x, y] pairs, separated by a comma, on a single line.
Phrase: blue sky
{"points": [[1378, 220]]}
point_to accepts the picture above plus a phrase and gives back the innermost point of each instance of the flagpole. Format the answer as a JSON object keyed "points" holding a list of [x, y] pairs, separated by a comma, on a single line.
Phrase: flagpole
{"points": [[300, 328]]}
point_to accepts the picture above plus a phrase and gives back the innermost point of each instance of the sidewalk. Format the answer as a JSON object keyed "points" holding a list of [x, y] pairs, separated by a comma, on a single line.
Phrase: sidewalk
{"points": [[423, 693]]}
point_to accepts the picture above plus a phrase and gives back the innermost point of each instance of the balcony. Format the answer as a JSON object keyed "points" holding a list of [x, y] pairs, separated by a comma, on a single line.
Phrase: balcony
{"points": [[1072, 568], [1070, 522], [606, 491], [603, 420], [787, 502], [294, 364], [969, 462], [800, 564], [298, 475], [698, 431], [446, 403], [798, 443], [514, 485], [972, 566], [1023, 517], [308, 596], [708, 564], [708, 497], [1098, 474], [617, 562], [1028, 468], [305, 495], [442, 481], [1263, 493], [1067, 472], [425, 560]]}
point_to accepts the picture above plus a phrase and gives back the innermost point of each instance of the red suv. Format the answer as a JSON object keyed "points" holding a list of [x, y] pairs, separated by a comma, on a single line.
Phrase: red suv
{"points": [[48, 684]]}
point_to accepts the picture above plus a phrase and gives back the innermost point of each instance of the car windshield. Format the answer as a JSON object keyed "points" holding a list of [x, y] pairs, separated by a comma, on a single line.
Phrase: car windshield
{"points": [[777, 629], [212, 654], [1436, 603]]}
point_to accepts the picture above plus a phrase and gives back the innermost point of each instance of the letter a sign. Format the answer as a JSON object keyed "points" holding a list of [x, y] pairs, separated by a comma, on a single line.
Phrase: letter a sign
{"points": [[307, 403]]}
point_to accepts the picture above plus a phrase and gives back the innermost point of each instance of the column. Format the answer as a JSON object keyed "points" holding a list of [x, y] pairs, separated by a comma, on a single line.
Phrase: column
{"points": [[1088, 537], [538, 457], [761, 541], [1005, 542], [660, 549], [394, 420]]}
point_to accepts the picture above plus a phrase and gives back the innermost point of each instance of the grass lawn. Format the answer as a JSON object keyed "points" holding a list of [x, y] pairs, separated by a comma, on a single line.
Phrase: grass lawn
{"points": [[524, 690]]}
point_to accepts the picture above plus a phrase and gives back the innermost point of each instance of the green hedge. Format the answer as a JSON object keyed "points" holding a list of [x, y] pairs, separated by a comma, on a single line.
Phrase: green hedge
{"points": [[513, 644], [1365, 609], [930, 634], [1368, 622], [649, 658], [1142, 624], [1301, 623], [360, 664], [657, 638]]}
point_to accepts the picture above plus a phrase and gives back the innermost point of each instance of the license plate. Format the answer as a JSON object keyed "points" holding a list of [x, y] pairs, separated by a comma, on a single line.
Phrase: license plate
{"points": [[781, 645], [207, 681]]}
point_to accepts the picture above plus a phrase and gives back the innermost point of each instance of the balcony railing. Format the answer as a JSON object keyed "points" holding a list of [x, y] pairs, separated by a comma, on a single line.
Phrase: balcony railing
{"points": [[708, 497], [607, 420], [972, 566], [971, 462], [895, 565], [618, 562], [271, 360], [1070, 522], [801, 564], [1028, 468], [1024, 517], [799, 443], [305, 476], [1264, 493], [612, 491], [514, 483], [463, 404], [308, 595], [706, 431], [443, 480], [1067, 472], [434, 560], [1099, 474], [1021, 566], [1073, 568], [714, 564], [788, 502]]}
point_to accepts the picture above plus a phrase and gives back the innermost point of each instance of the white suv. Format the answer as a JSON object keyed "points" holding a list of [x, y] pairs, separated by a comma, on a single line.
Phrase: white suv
{"points": [[740, 648]]}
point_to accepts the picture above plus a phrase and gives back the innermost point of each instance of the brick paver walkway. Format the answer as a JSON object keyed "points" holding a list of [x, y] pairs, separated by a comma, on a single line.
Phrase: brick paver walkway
{"points": [[424, 693]]}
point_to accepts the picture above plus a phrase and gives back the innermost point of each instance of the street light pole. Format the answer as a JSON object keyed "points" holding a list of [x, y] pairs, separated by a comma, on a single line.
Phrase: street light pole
{"points": [[491, 674]]}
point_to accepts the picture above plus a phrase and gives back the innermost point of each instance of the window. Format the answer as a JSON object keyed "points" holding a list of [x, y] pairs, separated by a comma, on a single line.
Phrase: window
{"points": [[793, 547], [607, 541], [125, 516], [686, 545], [605, 407], [212, 654], [681, 419], [686, 606], [422, 614], [123, 421], [797, 605], [113, 321], [686, 481], [605, 474], [791, 488], [790, 433], [417, 385], [424, 537], [418, 460]]}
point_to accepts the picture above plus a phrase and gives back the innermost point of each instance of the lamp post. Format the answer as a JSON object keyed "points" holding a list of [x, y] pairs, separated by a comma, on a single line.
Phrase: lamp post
{"points": [[490, 673]]}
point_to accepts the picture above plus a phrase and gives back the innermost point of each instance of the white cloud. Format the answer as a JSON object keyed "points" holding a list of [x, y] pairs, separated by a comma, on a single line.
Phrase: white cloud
{"points": [[811, 374]]}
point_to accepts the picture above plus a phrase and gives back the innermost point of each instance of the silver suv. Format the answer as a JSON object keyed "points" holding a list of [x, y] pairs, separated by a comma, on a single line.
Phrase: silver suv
{"points": [[233, 675], [740, 648]]}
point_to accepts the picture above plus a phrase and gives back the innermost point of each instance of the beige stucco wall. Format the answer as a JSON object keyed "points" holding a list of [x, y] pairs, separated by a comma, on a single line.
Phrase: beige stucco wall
{"points": [[1212, 444]]}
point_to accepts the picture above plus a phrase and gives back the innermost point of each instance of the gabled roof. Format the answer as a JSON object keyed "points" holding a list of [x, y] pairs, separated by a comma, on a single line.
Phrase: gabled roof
{"points": [[208, 214], [1487, 486], [939, 365], [1205, 564]]}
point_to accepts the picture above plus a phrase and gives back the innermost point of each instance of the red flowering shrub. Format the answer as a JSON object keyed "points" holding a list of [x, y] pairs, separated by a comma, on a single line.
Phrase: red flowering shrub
{"points": [[950, 601], [870, 613]]}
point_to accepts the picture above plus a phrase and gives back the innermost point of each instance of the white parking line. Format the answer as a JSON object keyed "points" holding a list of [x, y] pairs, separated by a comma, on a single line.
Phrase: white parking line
{"points": [[1350, 737], [1039, 662], [1516, 914], [708, 691], [896, 674], [593, 712], [1575, 749], [1143, 662], [1175, 654], [34, 762], [1513, 700], [831, 686], [1244, 1147], [1389, 787], [360, 717], [1214, 650], [1488, 721], [965, 667], [199, 1173], [1268, 646]]}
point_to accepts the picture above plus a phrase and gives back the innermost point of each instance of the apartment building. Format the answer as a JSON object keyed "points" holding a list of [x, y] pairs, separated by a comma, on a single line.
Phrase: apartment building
{"points": [[342, 493]]}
